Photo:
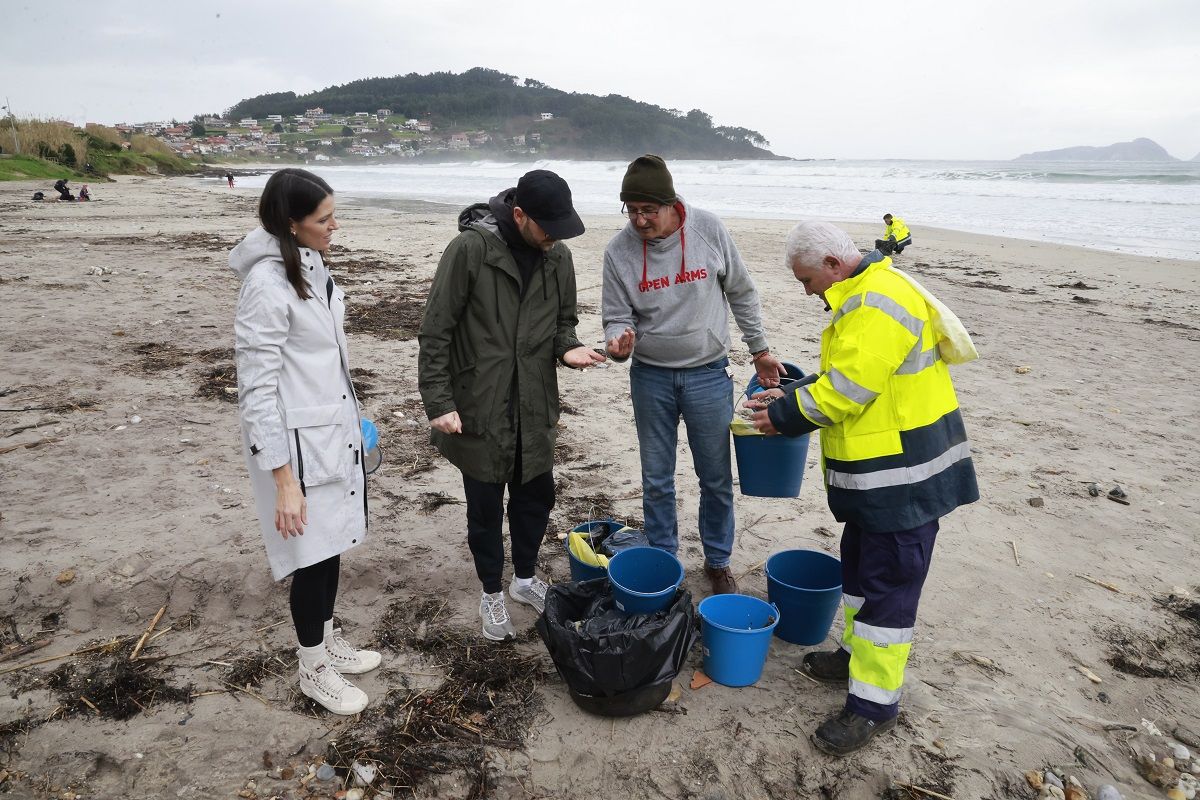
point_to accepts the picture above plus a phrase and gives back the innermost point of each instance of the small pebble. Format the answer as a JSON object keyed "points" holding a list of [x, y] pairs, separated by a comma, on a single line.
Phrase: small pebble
{"points": [[1168, 762], [1176, 794], [326, 773], [1053, 780], [354, 794], [135, 419], [1050, 790], [1037, 502], [1180, 752], [1108, 792]]}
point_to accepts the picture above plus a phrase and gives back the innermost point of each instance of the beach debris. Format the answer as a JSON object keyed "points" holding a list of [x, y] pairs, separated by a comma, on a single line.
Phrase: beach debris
{"points": [[432, 501], [354, 794], [99, 271], [1023, 370], [699, 680], [1102, 584], [1093, 489], [137, 648], [65, 577], [1087, 673], [1016, 554], [1037, 502], [1109, 792], [913, 788], [363, 774], [1118, 495], [821, 530], [326, 772], [135, 419], [1156, 772]]}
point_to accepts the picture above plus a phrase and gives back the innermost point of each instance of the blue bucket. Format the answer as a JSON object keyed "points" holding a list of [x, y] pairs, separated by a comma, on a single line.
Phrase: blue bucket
{"points": [[644, 579], [579, 570], [806, 585], [736, 632], [771, 466]]}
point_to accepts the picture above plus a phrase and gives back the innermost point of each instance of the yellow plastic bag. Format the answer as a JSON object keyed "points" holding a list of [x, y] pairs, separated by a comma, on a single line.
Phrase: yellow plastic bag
{"points": [[580, 548], [954, 343]]}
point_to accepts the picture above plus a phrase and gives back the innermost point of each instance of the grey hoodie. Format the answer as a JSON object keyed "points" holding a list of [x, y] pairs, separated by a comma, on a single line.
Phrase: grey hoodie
{"points": [[676, 293]]}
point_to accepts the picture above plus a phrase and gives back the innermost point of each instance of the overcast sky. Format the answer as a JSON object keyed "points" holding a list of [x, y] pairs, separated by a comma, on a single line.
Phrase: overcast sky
{"points": [[855, 79]]}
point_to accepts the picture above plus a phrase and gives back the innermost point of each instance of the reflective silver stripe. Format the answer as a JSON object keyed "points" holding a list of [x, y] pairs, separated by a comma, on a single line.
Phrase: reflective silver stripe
{"points": [[896, 311], [848, 388], [848, 306], [873, 693], [899, 476], [853, 600], [918, 359], [877, 635], [810, 408]]}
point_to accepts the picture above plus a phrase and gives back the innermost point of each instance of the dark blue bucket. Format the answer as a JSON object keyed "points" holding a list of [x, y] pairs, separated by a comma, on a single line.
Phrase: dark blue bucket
{"points": [[644, 579], [806, 585], [579, 570], [736, 632], [771, 466]]}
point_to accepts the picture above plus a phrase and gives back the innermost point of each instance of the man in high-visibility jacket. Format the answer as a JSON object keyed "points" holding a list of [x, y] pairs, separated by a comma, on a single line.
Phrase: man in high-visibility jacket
{"points": [[895, 457], [895, 238]]}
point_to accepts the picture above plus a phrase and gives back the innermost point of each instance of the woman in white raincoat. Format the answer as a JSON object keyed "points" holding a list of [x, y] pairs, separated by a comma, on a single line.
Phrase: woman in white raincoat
{"points": [[300, 422]]}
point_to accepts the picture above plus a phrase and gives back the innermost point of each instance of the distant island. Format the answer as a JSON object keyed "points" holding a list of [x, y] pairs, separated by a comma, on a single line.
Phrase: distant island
{"points": [[479, 113], [1137, 150]]}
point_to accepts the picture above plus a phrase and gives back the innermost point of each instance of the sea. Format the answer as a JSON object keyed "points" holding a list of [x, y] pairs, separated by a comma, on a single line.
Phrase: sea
{"points": [[1143, 208]]}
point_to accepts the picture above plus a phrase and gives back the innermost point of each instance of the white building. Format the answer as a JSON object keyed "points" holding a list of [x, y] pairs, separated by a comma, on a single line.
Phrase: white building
{"points": [[546, 115]]}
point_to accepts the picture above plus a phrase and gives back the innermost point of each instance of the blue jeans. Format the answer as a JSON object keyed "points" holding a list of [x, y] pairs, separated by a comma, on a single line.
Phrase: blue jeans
{"points": [[703, 396]]}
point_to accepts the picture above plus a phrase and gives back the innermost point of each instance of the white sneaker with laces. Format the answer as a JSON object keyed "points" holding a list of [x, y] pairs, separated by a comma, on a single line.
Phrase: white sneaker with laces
{"points": [[496, 625], [532, 595], [347, 659], [326, 685]]}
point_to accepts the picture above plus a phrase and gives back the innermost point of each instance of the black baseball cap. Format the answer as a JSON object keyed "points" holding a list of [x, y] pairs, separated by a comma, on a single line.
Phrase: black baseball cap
{"points": [[546, 198]]}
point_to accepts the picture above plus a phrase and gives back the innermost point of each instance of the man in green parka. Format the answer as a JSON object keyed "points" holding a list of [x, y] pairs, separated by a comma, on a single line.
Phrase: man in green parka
{"points": [[499, 319]]}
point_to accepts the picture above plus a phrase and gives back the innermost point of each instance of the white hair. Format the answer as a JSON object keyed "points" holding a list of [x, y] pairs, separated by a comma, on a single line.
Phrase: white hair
{"points": [[809, 243]]}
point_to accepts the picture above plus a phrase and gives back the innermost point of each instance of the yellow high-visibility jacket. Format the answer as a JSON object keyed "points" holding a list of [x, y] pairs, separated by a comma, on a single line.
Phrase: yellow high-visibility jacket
{"points": [[893, 447], [897, 231]]}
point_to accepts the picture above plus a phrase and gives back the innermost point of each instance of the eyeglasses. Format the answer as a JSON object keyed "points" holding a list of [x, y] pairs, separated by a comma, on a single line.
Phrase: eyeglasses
{"points": [[632, 214]]}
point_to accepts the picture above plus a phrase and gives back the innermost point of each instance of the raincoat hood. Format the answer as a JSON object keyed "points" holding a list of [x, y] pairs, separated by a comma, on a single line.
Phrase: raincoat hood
{"points": [[257, 246]]}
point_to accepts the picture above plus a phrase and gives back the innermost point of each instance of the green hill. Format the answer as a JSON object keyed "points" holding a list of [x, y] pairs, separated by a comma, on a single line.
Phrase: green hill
{"points": [[583, 125]]}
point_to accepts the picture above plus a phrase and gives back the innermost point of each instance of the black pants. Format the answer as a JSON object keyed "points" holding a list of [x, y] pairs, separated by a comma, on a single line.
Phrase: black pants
{"points": [[529, 506], [314, 589]]}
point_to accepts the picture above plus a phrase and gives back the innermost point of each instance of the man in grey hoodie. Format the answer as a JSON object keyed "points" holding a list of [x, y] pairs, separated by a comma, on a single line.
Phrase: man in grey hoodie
{"points": [[671, 276]]}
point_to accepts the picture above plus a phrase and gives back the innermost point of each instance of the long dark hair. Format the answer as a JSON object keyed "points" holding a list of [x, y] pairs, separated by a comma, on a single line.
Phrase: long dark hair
{"points": [[291, 195]]}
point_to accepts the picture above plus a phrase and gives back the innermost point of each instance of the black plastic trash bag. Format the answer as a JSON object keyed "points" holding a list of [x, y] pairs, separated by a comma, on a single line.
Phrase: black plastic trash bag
{"points": [[623, 539], [615, 664]]}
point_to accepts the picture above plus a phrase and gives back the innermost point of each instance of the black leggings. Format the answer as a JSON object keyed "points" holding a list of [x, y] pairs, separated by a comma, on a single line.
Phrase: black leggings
{"points": [[314, 589]]}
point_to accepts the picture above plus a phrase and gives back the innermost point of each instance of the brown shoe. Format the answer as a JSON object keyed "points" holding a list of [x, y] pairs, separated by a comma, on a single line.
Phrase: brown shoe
{"points": [[722, 579]]}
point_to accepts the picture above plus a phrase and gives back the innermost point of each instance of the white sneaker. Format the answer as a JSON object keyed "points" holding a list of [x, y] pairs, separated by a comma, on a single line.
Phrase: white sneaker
{"points": [[496, 625], [532, 595], [325, 684], [348, 660]]}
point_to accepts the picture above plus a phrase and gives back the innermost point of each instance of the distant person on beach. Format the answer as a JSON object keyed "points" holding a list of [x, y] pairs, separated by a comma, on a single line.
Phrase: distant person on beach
{"points": [[229, 179], [895, 238], [499, 319], [300, 422], [671, 277], [895, 458], [64, 193], [84, 194]]}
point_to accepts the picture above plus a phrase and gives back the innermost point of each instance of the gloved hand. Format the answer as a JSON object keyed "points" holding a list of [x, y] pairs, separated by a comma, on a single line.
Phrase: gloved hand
{"points": [[370, 435]]}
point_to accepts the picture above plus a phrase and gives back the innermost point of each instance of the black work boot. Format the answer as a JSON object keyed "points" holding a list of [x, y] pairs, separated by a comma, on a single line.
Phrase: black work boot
{"points": [[832, 666], [848, 732]]}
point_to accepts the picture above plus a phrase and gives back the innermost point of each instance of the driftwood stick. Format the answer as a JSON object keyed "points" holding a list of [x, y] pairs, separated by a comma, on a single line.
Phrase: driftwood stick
{"points": [[1016, 555], [923, 790], [137, 648], [48, 659], [757, 566], [1102, 584], [23, 649]]}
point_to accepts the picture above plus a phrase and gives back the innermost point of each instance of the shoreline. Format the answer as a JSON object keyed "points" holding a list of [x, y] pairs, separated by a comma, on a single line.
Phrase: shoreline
{"points": [[125, 489]]}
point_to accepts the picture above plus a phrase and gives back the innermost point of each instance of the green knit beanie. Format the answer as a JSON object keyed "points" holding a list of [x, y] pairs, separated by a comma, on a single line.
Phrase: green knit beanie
{"points": [[648, 180]]}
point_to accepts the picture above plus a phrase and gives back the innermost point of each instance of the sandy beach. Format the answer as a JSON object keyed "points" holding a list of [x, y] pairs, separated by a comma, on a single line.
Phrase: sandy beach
{"points": [[1057, 628]]}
